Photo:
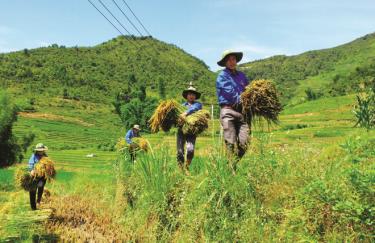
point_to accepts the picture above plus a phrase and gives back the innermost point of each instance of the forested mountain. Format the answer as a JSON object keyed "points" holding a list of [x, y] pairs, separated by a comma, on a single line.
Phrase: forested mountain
{"points": [[119, 66], [101, 72]]}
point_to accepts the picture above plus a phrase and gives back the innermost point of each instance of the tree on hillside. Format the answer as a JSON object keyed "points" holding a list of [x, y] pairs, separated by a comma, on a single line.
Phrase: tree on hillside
{"points": [[137, 110], [11, 149], [162, 94], [141, 93], [312, 95]]}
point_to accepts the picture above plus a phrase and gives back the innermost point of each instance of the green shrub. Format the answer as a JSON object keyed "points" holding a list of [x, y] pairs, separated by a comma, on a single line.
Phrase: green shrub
{"points": [[10, 149], [365, 110], [293, 127]]}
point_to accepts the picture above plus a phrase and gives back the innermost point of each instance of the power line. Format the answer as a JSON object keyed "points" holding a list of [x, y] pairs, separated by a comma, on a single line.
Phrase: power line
{"points": [[137, 18], [109, 11], [135, 27], [153, 45], [111, 23]]}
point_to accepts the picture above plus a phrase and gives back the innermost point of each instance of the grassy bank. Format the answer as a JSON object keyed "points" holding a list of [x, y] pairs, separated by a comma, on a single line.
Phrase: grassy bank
{"points": [[309, 179]]}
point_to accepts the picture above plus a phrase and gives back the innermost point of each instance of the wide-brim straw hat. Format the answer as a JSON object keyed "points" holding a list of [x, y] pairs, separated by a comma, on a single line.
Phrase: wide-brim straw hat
{"points": [[137, 127], [40, 148], [193, 90], [226, 53]]}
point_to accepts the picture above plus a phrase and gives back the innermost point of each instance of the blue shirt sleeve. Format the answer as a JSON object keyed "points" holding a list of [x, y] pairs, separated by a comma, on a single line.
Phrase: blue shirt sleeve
{"points": [[129, 136], [193, 108], [32, 162], [225, 90]]}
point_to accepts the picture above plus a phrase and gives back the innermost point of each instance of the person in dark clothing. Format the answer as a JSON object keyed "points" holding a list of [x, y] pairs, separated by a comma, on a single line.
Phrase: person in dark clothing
{"points": [[191, 95], [132, 133], [39, 182]]}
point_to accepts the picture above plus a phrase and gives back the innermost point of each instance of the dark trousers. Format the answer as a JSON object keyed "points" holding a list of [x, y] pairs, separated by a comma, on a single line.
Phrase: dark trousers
{"points": [[189, 140], [39, 188], [133, 148]]}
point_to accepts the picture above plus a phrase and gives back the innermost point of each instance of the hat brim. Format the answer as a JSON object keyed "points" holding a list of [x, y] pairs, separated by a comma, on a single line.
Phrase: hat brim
{"points": [[41, 149], [238, 56], [185, 93]]}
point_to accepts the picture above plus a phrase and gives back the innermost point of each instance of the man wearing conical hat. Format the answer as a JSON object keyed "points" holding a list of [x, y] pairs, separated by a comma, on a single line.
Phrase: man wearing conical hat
{"points": [[230, 84], [191, 95]]}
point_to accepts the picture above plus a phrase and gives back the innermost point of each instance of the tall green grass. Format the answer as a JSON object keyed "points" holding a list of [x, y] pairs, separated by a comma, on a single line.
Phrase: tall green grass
{"points": [[287, 194]]}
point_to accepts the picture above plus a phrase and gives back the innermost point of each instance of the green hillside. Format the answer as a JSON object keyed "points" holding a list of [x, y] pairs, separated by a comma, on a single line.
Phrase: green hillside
{"points": [[99, 73], [329, 72]]}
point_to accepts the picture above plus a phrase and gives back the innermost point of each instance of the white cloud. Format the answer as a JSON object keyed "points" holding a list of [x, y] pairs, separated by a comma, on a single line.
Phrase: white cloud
{"points": [[43, 44], [255, 51]]}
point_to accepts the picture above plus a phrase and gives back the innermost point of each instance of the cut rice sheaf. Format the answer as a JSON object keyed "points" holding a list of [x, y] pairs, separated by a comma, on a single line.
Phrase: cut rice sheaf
{"points": [[45, 168], [23, 179], [195, 123], [141, 143], [260, 100], [165, 116], [169, 114]]}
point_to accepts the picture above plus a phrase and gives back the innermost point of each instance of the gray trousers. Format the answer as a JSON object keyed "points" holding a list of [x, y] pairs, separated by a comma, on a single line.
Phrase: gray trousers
{"points": [[236, 131], [183, 139]]}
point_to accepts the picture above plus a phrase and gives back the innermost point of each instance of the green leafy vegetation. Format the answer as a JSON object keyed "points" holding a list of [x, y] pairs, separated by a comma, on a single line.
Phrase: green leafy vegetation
{"points": [[11, 148], [100, 73], [365, 110]]}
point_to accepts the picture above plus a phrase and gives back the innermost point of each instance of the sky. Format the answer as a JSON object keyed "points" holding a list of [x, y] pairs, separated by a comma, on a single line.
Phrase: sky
{"points": [[204, 28]]}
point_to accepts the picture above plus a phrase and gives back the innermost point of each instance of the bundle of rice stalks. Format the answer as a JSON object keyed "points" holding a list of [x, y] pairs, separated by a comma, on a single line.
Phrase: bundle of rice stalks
{"points": [[195, 123], [165, 116], [23, 179], [260, 99], [141, 143], [120, 145], [45, 168]]}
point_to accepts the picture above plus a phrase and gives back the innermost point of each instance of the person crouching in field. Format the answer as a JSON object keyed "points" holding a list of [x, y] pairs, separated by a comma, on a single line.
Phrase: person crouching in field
{"points": [[39, 152], [191, 95], [230, 84], [132, 133]]}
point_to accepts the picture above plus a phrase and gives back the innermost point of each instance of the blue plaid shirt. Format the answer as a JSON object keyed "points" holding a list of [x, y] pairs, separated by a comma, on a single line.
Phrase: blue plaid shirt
{"points": [[229, 87]]}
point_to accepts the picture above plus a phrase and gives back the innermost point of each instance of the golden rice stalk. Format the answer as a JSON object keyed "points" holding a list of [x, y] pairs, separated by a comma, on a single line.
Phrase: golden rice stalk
{"points": [[141, 143], [23, 179], [120, 145], [260, 99], [195, 123], [165, 116], [45, 168]]}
